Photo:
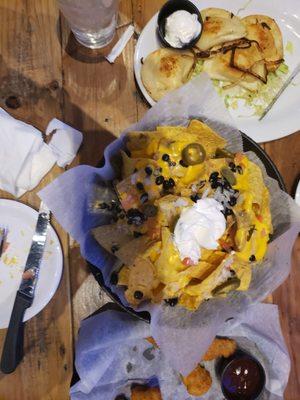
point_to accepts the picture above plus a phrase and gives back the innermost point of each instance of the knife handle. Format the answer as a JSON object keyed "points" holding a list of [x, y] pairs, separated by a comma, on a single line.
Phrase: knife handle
{"points": [[12, 352]]}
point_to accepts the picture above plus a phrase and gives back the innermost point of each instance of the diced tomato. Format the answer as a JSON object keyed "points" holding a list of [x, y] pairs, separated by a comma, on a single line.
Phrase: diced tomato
{"points": [[260, 218], [129, 201], [187, 261], [225, 245]]}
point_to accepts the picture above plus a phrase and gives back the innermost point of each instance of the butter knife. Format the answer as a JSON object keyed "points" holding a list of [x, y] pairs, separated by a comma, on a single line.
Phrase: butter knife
{"points": [[281, 90], [13, 352]]}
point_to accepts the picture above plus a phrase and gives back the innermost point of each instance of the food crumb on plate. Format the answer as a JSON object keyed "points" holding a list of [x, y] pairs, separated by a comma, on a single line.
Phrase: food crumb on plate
{"points": [[10, 261]]}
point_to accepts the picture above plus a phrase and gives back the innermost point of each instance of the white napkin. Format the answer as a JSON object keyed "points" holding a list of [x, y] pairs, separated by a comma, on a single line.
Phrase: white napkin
{"points": [[120, 45], [24, 157], [65, 142]]}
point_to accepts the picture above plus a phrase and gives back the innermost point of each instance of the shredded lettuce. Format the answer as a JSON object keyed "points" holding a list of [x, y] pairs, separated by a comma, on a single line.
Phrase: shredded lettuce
{"points": [[198, 68], [289, 48], [257, 101], [283, 68]]}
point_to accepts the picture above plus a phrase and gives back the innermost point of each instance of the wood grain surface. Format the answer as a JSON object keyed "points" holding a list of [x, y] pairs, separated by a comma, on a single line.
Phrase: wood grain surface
{"points": [[52, 76]]}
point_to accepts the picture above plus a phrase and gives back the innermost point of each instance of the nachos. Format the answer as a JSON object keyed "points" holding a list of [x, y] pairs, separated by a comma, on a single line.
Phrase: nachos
{"points": [[193, 218]]}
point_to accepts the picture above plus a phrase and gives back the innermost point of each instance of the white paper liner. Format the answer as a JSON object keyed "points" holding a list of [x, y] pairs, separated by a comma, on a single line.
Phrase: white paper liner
{"points": [[111, 355], [182, 335]]}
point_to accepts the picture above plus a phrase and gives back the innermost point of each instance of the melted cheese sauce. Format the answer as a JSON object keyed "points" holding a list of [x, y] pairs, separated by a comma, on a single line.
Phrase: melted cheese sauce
{"points": [[257, 244]]}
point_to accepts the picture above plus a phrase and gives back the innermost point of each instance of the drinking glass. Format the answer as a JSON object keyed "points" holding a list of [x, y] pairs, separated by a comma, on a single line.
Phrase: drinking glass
{"points": [[93, 22]]}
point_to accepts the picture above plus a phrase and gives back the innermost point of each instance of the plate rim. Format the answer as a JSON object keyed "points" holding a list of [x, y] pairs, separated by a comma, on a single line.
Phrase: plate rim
{"points": [[28, 315]]}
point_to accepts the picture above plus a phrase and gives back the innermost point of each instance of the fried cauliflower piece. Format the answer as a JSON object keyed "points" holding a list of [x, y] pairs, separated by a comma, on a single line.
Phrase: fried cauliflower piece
{"points": [[220, 348], [198, 382], [145, 393]]}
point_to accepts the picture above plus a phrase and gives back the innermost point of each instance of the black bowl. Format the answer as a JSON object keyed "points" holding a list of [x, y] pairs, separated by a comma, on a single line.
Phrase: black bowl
{"points": [[169, 8], [272, 171], [226, 367]]}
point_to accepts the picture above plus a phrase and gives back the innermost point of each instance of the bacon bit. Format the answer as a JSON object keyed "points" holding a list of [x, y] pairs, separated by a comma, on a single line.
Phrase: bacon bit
{"points": [[187, 261]]}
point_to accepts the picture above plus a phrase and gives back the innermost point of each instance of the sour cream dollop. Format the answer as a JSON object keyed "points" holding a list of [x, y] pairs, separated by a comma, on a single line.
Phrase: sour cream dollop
{"points": [[199, 226], [181, 27]]}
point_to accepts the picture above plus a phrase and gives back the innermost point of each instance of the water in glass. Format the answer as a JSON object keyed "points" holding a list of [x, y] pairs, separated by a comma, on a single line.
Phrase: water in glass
{"points": [[93, 22]]}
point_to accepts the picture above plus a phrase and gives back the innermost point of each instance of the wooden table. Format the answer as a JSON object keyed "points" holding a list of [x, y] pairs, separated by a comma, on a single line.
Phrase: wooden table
{"points": [[52, 76]]}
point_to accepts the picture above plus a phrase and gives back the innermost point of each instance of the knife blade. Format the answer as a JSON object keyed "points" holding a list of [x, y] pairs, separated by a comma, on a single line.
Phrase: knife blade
{"points": [[32, 266], [13, 346], [281, 90]]}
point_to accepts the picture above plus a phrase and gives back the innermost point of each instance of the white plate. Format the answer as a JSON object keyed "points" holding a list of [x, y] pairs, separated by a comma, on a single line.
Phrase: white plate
{"points": [[21, 220], [284, 117]]}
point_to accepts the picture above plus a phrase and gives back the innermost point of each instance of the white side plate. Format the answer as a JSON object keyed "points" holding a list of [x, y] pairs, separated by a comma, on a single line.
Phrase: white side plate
{"points": [[21, 220]]}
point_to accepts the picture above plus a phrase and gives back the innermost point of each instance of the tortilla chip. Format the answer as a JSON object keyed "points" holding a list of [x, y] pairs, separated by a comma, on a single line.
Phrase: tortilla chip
{"points": [[142, 144], [177, 135], [243, 272], [129, 164], [152, 251], [189, 302], [209, 139], [266, 211], [168, 264], [172, 132], [143, 278], [198, 272], [244, 223], [251, 180], [204, 289], [226, 287], [256, 183], [130, 196], [170, 207], [123, 276], [193, 174], [113, 235], [132, 249]]}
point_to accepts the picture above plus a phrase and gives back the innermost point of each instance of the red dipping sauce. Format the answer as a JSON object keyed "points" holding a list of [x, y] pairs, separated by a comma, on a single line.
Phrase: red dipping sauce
{"points": [[243, 379]]}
